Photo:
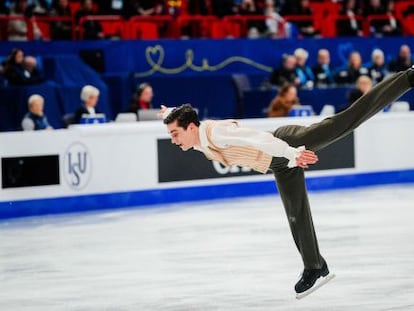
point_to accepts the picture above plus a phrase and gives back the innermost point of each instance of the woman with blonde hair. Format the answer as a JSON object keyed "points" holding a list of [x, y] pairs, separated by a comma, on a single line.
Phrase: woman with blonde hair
{"points": [[286, 98]]}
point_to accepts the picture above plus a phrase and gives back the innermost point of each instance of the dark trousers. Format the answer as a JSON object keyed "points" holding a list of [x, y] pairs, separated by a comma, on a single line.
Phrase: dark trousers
{"points": [[291, 182]]}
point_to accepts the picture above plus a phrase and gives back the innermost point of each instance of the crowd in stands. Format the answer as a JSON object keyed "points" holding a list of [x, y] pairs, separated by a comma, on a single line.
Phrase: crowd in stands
{"points": [[66, 20], [294, 73], [294, 68]]}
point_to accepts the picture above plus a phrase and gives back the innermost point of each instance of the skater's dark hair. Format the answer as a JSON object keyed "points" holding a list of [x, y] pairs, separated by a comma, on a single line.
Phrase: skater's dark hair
{"points": [[185, 114]]}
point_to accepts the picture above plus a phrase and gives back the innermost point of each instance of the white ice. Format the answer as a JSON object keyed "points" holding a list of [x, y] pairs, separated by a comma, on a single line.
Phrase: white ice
{"points": [[233, 254]]}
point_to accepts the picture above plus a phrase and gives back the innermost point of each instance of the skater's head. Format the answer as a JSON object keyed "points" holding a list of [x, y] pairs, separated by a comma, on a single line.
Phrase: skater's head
{"points": [[182, 123]]}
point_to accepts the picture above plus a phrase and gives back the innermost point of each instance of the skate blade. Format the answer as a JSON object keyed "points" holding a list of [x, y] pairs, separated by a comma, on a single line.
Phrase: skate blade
{"points": [[319, 283]]}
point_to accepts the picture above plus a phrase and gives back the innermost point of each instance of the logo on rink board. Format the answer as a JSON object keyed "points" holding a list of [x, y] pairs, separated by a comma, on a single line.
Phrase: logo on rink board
{"points": [[176, 165], [77, 166]]}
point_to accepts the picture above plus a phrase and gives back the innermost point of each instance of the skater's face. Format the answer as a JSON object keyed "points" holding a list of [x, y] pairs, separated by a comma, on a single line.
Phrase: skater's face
{"points": [[183, 138]]}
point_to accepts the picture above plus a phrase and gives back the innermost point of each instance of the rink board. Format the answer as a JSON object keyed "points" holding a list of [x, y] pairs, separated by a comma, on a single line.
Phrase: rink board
{"points": [[133, 164]]}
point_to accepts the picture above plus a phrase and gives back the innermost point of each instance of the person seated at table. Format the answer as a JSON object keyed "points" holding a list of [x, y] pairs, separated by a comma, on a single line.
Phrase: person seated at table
{"points": [[286, 98], [378, 70], [362, 86], [323, 70], [142, 98], [354, 70], [303, 71], [286, 73], [89, 95], [35, 119]]}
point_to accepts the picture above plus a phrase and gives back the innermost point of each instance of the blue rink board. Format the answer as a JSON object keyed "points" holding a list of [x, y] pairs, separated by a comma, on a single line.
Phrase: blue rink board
{"points": [[150, 198]]}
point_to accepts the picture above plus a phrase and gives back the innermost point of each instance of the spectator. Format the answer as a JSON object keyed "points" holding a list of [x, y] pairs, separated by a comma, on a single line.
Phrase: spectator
{"points": [[89, 95], [323, 71], [35, 119], [287, 73], [303, 71], [383, 27], [350, 26], [375, 7], [142, 98], [305, 27], [61, 30], [252, 7], [92, 30], [403, 61], [143, 8], [392, 27], [18, 29], [21, 70], [354, 70], [274, 22], [362, 86], [284, 101], [378, 70]]}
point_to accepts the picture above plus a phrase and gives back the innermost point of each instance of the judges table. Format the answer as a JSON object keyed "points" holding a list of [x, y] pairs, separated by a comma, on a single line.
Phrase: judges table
{"points": [[256, 102]]}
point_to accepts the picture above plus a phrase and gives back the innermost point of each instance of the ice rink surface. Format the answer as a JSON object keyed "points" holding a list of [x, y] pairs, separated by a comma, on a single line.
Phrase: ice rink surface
{"points": [[233, 254]]}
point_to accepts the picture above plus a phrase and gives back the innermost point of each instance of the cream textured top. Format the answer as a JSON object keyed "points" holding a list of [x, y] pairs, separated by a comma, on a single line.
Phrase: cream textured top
{"points": [[231, 144]]}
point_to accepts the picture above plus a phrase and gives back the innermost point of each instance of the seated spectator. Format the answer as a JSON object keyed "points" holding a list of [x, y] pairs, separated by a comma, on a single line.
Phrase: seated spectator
{"points": [[285, 74], [61, 30], [142, 98], [21, 70], [35, 119], [362, 86], [323, 71], [17, 29], [353, 71], [378, 70], [92, 30], [286, 98], [383, 27], [89, 95], [303, 71], [350, 26], [403, 61], [274, 22], [374, 7], [305, 27], [252, 7], [143, 8]]}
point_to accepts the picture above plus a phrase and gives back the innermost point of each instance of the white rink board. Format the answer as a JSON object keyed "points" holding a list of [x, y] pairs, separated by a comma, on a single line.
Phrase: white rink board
{"points": [[124, 156]]}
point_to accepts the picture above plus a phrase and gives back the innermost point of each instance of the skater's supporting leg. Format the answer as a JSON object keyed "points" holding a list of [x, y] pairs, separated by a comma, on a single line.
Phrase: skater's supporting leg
{"points": [[292, 188]]}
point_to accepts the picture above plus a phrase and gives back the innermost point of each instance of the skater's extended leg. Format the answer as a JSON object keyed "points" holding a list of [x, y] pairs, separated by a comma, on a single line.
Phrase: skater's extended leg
{"points": [[321, 134]]}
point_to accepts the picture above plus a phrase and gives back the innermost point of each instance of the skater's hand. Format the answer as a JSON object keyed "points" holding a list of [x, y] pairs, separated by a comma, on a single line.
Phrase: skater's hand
{"points": [[306, 157], [162, 111]]}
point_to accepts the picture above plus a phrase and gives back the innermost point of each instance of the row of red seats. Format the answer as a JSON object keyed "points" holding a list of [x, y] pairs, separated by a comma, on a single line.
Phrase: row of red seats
{"points": [[156, 27]]}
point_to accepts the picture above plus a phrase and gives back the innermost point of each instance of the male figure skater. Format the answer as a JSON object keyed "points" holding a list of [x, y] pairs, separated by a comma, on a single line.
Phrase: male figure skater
{"points": [[284, 154]]}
